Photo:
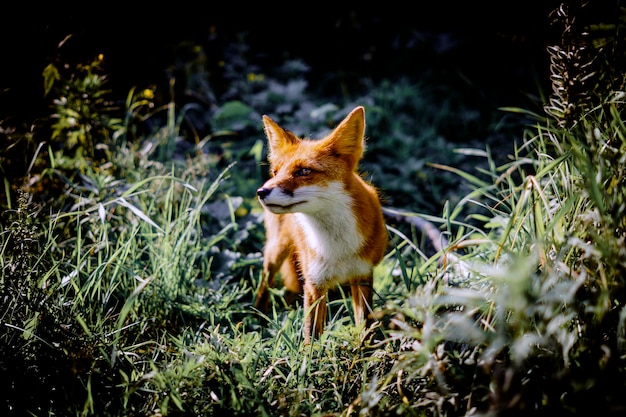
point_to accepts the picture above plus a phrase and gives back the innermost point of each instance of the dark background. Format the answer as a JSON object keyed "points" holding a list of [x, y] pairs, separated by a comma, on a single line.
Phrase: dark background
{"points": [[500, 46]]}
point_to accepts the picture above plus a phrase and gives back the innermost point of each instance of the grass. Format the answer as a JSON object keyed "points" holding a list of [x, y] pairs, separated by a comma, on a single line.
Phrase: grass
{"points": [[127, 289]]}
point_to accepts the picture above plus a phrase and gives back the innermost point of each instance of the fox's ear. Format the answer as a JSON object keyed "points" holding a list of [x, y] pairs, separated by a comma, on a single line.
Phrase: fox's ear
{"points": [[348, 138], [277, 137]]}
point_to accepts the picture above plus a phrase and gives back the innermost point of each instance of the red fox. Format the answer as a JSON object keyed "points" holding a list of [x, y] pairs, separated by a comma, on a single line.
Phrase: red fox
{"points": [[324, 223]]}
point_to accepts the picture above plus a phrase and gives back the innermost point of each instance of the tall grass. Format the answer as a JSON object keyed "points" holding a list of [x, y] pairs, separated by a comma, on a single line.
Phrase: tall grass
{"points": [[534, 321], [129, 291], [97, 294]]}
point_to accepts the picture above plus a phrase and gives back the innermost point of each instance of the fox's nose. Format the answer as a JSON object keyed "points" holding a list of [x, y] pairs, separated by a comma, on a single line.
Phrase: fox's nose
{"points": [[263, 192]]}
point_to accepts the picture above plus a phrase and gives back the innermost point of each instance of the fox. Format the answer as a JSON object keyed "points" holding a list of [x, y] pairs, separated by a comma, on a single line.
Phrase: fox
{"points": [[324, 223]]}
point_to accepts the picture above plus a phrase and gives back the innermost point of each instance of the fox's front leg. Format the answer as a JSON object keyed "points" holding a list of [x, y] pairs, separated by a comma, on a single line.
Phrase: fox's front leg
{"points": [[262, 295], [277, 249], [362, 299], [314, 311], [274, 257]]}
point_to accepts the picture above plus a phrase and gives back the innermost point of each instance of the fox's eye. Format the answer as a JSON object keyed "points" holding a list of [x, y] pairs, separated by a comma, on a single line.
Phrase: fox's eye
{"points": [[302, 172]]}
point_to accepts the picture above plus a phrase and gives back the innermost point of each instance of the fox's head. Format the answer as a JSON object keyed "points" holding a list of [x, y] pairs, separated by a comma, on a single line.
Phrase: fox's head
{"points": [[312, 175]]}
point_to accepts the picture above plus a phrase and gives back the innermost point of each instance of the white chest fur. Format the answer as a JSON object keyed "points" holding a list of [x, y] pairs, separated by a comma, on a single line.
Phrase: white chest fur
{"points": [[333, 236]]}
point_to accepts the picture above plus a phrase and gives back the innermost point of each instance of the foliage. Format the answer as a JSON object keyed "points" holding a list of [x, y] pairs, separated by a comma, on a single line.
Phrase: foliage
{"points": [[130, 259], [583, 63], [83, 115], [537, 292]]}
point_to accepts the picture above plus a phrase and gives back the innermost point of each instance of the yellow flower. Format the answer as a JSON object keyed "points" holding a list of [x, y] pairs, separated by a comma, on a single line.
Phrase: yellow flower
{"points": [[252, 77], [148, 94]]}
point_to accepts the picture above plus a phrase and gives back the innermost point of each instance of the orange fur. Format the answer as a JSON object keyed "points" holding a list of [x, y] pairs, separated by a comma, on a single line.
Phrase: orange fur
{"points": [[324, 223]]}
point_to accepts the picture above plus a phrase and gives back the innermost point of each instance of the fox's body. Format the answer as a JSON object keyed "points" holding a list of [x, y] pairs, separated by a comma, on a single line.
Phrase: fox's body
{"points": [[324, 223]]}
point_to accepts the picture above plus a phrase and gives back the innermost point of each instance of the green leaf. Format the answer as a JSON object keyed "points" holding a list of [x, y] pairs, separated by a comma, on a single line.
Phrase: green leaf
{"points": [[31, 326], [232, 114], [50, 75]]}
